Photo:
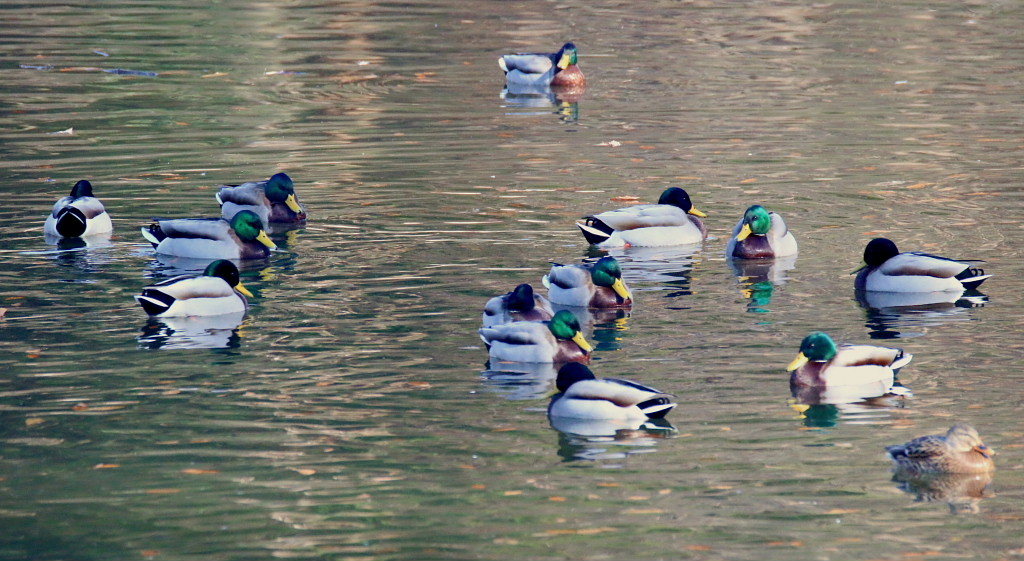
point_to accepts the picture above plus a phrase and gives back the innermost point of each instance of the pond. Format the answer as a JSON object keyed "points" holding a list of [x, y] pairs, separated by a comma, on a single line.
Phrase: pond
{"points": [[352, 413]]}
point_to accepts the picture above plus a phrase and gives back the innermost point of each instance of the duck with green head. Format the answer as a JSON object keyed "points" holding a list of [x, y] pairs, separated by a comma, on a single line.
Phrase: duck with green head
{"points": [[761, 234], [243, 237], [558, 70], [591, 285], [217, 291], [585, 396], [273, 200], [960, 450], [673, 221], [885, 269], [556, 340], [78, 215], [848, 371]]}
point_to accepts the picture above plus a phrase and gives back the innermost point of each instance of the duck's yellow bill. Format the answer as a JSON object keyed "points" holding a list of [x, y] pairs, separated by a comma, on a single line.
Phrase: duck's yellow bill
{"points": [[863, 266], [264, 239], [580, 340], [241, 288], [293, 203], [564, 62], [744, 233], [799, 361], [696, 212], [620, 288]]}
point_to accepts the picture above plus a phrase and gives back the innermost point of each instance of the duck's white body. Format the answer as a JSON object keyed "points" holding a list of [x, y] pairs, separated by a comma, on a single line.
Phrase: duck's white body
{"points": [[778, 242], [855, 365], [609, 399], [521, 341], [650, 225], [194, 296], [915, 272], [97, 221]]}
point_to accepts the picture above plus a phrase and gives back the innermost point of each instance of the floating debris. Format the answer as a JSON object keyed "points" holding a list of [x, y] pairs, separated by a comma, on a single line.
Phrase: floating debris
{"points": [[36, 66], [66, 132], [284, 73], [125, 72], [101, 53]]}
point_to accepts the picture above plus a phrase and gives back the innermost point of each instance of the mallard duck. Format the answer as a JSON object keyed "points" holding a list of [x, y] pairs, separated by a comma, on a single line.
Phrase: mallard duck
{"points": [[584, 396], [519, 305], [274, 200], [593, 285], [78, 215], [556, 340], [217, 291], [822, 364], [960, 450], [885, 269], [544, 69], [761, 234], [673, 221], [211, 238]]}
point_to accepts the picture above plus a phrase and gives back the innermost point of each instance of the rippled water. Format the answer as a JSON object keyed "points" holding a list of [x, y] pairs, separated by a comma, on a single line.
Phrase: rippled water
{"points": [[352, 414]]}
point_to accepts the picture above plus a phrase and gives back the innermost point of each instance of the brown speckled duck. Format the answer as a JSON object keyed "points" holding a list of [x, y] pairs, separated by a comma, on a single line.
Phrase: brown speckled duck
{"points": [[960, 450]]}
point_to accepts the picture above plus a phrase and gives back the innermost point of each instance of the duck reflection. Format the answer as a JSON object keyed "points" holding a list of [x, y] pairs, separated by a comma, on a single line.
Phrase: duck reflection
{"points": [[79, 252], [963, 492], [520, 380], [564, 101], [758, 279], [870, 411], [904, 315], [192, 332], [593, 439], [670, 266]]}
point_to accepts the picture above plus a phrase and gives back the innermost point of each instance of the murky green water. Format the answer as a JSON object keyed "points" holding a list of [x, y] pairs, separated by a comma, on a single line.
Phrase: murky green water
{"points": [[351, 415]]}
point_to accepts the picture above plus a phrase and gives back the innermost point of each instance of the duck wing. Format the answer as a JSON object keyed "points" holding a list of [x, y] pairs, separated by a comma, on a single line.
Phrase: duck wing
{"points": [[198, 228], [246, 194], [870, 355], [620, 392], [528, 63], [567, 277], [186, 287], [920, 448], [922, 264], [643, 216], [516, 333]]}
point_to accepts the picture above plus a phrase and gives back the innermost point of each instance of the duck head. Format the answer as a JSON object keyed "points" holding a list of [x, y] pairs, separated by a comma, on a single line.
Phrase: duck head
{"points": [[521, 299], [571, 373], [606, 272], [817, 347], [963, 438], [249, 227], [280, 189], [878, 251], [564, 325], [81, 189], [756, 221], [567, 56], [224, 269], [678, 197]]}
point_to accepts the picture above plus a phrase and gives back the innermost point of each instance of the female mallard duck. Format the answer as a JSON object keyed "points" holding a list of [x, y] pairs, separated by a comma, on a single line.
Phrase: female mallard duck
{"points": [[78, 215], [584, 396], [543, 69], [217, 291], [885, 269], [274, 200], [519, 305], [673, 221], [761, 234], [211, 238], [960, 450], [597, 285], [822, 364], [556, 340]]}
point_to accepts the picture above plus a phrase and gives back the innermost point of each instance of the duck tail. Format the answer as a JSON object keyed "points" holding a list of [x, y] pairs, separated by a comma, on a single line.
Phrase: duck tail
{"points": [[594, 230], [657, 407], [153, 233], [901, 360], [71, 222], [154, 301], [972, 277]]}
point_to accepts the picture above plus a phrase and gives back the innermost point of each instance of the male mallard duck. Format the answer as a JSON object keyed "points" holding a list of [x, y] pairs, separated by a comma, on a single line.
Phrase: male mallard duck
{"points": [[761, 234], [217, 291], [544, 69], [584, 396], [519, 305], [597, 285], [211, 238], [960, 450], [78, 215], [274, 200], [673, 221], [885, 269], [556, 340], [822, 364]]}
